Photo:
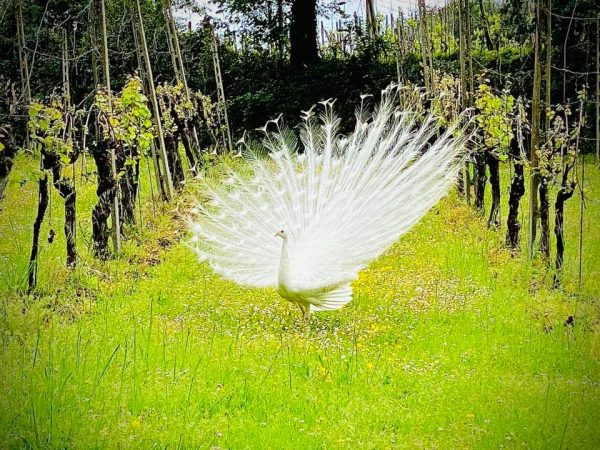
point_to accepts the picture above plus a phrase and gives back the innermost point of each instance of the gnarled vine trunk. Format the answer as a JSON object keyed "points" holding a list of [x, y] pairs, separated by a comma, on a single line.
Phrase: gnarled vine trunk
{"points": [[480, 181], [66, 189], [566, 191], [129, 184], [171, 144], [51, 162], [7, 156], [183, 133], [544, 213], [517, 190], [106, 191], [493, 165], [37, 225]]}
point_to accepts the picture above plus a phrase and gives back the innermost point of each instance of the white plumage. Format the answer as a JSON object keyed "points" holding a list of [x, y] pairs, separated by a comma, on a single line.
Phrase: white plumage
{"points": [[306, 222]]}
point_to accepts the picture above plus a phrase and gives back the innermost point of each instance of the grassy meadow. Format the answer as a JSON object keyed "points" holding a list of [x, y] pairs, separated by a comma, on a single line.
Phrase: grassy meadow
{"points": [[450, 342]]}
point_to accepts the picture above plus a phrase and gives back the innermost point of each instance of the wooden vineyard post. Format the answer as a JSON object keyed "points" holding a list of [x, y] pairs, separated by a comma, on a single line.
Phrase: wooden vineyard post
{"points": [[580, 155], [598, 91], [156, 160], [399, 26], [154, 100], [65, 188], [371, 18], [463, 87], [426, 61], [541, 74], [113, 159], [178, 59], [535, 137], [23, 62], [220, 90]]}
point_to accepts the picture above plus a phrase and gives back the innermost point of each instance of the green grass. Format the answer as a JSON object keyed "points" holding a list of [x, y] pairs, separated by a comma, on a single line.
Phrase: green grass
{"points": [[450, 342]]}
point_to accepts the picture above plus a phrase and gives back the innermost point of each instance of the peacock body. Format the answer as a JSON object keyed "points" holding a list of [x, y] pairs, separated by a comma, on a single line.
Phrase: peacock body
{"points": [[307, 221]]}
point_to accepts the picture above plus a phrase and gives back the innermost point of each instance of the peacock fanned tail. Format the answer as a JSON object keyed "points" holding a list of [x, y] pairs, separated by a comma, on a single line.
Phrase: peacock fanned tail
{"points": [[342, 200]]}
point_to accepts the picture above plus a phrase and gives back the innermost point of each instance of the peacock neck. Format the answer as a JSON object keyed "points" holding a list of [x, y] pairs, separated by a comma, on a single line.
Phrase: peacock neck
{"points": [[283, 262]]}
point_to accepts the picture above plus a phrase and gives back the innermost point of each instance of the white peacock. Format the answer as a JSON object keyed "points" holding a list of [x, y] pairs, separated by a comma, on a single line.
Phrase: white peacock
{"points": [[307, 221]]}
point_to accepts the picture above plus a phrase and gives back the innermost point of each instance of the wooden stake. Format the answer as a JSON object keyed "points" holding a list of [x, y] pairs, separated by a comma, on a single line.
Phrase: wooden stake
{"points": [[579, 154], [399, 70], [541, 73], [581, 209], [65, 71], [154, 101], [68, 191], [464, 94], [116, 232], [220, 90], [156, 161], [371, 18], [427, 75], [178, 60], [598, 91], [468, 37], [23, 60]]}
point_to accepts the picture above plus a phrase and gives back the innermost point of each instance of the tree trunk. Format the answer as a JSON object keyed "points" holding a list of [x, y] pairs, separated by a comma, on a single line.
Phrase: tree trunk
{"points": [[480, 181], [106, 192], [303, 33], [544, 220], [493, 163], [41, 212]]}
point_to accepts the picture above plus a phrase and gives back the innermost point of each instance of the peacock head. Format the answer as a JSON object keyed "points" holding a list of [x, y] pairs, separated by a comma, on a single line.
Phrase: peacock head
{"points": [[281, 234]]}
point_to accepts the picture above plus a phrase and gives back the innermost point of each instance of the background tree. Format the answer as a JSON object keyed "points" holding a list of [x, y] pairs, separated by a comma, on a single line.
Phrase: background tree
{"points": [[303, 33]]}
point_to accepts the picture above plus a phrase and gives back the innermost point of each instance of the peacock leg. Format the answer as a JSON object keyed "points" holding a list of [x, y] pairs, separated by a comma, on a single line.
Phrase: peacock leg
{"points": [[304, 309]]}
